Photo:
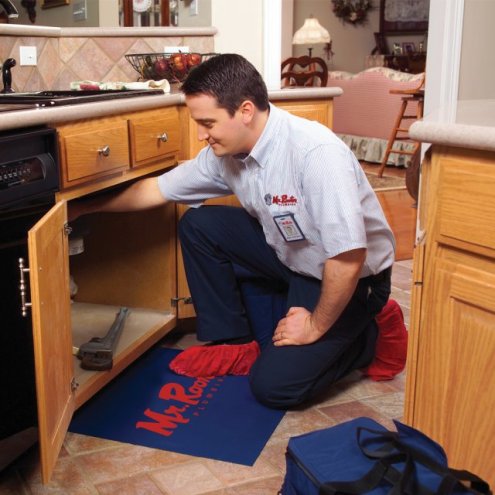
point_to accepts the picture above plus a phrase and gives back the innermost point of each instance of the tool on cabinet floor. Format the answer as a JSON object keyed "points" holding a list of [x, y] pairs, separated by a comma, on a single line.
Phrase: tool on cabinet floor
{"points": [[97, 354]]}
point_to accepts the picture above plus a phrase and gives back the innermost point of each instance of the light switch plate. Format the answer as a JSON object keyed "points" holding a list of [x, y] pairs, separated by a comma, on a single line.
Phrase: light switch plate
{"points": [[194, 7], [28, 55]]}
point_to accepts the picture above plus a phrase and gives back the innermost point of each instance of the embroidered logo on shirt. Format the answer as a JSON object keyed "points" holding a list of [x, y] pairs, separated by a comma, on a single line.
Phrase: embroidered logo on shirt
{"points": [[282, 200]]}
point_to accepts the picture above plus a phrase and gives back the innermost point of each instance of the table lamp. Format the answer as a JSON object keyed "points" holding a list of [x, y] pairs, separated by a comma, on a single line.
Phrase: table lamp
{"points": [[311, 33]]}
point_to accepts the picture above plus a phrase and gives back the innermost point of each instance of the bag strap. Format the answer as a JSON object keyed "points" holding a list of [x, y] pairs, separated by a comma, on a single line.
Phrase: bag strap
{"points": [[402, 481], [451, 478], [454, 480]]}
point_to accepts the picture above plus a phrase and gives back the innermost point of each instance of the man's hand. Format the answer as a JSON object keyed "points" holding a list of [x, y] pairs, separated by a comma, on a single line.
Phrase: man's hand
{"points": [[296, 329], [340, 277]]}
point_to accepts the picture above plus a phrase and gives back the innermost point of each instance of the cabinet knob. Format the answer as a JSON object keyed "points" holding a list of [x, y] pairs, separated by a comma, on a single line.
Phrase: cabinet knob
{"points": [[105, 151], [163, 137]]}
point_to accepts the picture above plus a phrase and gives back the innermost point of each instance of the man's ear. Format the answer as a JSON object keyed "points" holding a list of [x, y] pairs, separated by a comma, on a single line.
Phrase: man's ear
{"points": [[247, 110]]}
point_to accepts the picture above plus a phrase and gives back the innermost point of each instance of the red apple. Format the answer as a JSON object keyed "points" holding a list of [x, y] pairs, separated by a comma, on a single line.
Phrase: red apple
{"points": [[193, 59], [179, 62], [161, 67]]}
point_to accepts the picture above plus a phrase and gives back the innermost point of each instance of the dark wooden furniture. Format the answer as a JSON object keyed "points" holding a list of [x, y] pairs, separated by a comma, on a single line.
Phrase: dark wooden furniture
{"points": [[304, 71], [413, 63]]}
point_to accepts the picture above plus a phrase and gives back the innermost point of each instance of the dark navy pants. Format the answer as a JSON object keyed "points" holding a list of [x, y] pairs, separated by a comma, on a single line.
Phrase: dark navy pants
{"points": [[216, 241]]}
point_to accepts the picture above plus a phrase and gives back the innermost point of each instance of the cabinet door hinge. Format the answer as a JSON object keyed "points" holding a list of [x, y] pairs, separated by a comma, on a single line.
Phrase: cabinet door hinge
{"points": [[175, 300], [67, 229]]}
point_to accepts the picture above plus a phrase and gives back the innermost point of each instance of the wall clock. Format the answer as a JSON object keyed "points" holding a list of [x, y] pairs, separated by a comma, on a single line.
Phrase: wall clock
{"points": [[141, 5]]}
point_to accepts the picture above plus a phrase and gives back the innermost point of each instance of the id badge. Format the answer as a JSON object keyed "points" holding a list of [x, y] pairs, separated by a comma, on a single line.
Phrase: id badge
{"points": [[288, 227]]}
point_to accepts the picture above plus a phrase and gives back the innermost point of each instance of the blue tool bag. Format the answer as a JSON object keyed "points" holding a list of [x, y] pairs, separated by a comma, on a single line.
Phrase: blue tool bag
{"points": [[362, 457]]}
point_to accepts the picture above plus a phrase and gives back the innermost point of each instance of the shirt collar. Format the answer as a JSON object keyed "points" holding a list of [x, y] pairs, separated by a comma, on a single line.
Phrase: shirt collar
{"points": [[262, 150]]}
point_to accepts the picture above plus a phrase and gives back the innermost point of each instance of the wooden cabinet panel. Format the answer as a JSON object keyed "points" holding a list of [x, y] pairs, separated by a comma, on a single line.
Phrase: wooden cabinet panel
{"points": [[454, 380], [450, 388], [466, 200], [154, 135], [49, 277], [93, 150]]}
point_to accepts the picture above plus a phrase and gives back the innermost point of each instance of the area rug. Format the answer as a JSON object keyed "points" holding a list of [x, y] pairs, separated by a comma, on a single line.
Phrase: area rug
{"points": [[149, 405], [385, 183]]}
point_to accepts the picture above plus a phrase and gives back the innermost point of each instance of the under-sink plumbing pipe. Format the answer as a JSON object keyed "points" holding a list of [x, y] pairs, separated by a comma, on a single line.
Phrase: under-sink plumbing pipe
{"points": [[7, 75], [10, 9]]}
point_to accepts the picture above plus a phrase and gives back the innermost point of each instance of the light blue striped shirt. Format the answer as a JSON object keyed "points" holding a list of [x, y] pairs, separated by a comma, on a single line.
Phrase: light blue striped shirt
{"points": [[297, 167]]}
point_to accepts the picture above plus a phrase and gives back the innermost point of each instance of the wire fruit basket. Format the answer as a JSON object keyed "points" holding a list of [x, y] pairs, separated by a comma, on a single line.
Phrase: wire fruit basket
{"points": [[171, 66]]}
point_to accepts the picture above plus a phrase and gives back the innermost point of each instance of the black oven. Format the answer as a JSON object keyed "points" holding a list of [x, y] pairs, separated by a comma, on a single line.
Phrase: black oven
{"points": [[29, 178]]}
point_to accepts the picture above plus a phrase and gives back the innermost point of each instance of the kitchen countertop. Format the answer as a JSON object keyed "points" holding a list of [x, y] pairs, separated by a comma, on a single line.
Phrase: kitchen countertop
{"points": [[472, 126], [17, 118]]}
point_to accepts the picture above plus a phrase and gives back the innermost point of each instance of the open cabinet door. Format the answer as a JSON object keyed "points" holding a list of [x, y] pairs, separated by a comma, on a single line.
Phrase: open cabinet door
{"points": [[49, 278]]}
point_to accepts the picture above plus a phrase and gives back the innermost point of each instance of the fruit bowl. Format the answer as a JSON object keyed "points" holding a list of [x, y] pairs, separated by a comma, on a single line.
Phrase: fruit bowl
{"points": [[171, 66]]}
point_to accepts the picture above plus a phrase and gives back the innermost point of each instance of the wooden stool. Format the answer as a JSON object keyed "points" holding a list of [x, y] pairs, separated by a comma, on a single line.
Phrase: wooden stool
{"points": [[412, 95]]}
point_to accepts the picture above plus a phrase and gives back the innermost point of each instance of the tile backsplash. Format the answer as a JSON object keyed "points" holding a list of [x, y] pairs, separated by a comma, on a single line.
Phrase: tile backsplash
{"points": [[62, 60]]}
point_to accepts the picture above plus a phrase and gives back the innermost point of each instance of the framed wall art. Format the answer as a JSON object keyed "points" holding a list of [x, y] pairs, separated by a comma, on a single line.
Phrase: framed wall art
{"points": [[404, 16], [408, 48]]}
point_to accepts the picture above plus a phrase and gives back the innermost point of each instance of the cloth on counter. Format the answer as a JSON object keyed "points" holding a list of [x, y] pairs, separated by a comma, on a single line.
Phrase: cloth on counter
{"points": [[112, 85]]}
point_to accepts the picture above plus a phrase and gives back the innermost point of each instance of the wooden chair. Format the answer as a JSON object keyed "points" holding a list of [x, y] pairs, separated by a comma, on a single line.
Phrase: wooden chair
{"points": [[304, 71], [402, 133]]}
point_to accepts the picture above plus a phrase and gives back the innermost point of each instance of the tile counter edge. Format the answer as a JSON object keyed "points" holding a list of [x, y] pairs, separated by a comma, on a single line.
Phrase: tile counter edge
{"points": [[43, 116], [57, 32], [457, 135]]}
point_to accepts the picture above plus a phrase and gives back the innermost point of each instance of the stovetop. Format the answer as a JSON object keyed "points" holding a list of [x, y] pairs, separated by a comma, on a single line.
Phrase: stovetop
{"points": [[56, 98]]}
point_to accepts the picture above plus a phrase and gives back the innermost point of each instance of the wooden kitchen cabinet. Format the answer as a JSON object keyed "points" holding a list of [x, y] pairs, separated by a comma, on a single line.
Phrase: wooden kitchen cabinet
{"points": [[450, 389], [129, 259], [94, 149], [153, 135]]}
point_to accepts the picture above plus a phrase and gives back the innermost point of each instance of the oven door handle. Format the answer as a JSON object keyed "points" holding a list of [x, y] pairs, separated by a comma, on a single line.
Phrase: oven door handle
{"points": [[23, 287]]}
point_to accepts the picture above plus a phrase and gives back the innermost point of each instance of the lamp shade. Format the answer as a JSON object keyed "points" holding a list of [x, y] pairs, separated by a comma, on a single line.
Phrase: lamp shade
{"points": [[311, 33]]}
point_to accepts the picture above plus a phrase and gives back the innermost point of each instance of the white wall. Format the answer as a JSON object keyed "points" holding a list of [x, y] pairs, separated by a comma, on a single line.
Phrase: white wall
{"points": [[442, 63], [240, 28], [477, 70]]}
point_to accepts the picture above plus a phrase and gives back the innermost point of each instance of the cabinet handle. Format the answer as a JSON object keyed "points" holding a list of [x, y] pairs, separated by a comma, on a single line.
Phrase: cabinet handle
{"points": [[105, 151], [163, 137], [22, 287]]}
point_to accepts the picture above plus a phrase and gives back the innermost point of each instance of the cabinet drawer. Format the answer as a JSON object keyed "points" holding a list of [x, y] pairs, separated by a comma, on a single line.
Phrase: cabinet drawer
{"points": [[154, 135], [98, 150], [466, 205]]}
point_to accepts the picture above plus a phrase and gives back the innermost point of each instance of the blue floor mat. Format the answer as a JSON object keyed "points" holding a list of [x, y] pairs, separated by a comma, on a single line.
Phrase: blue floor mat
{"points": [[149, 405]]}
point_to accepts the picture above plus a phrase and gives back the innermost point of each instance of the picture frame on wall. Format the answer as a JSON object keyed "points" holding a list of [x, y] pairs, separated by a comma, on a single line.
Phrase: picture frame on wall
{"points": [[48, 4], [408, 47], [404, 16]]}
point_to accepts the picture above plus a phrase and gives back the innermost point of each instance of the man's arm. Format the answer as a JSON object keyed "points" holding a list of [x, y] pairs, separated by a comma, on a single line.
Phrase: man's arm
{"points": [[141, 195], [340, 278]]}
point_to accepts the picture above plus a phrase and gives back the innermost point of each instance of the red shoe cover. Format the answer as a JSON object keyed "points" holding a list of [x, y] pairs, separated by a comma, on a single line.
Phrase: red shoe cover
{"points": [[391, 344], [216, 360]]}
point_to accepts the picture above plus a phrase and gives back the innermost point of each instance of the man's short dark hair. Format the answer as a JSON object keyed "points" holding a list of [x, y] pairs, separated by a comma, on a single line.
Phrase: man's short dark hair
{"points": [[231, 79]]}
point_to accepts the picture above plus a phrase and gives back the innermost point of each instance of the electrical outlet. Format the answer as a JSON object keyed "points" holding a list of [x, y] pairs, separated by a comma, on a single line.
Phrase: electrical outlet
{"points": [[79, 10], [28, 55]]}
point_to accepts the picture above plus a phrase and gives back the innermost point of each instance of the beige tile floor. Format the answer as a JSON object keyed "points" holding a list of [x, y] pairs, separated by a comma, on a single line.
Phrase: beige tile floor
{"points": [[90, 466]]}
